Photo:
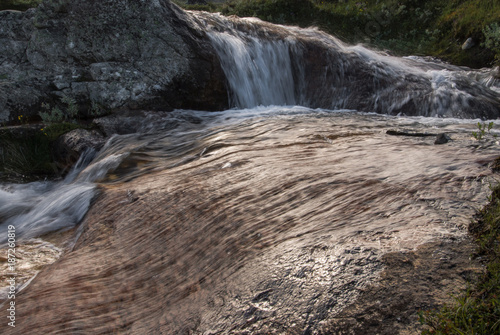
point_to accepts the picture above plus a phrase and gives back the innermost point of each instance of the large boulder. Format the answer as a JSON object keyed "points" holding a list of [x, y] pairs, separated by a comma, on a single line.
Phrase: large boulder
{"points": [[110, 53]]}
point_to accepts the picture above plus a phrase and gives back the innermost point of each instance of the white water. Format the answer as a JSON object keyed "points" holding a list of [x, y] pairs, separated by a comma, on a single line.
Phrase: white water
{"points": [[259, 73], [265, 65], [41, 207], [276, 65]]}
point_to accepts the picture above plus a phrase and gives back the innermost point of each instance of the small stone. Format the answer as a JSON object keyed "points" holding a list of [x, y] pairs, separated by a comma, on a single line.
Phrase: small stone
{"points": [[469, 43], [442, 139]]}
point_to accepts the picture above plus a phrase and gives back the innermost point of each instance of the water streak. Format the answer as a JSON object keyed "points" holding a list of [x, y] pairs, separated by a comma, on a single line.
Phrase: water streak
{"points": [[38, 208], [259, 72]]}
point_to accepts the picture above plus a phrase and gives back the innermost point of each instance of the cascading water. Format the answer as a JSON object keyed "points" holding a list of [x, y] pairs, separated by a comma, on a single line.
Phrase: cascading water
{"points": [[42, 207], [275, 65], [258, 72], [264, 219]]}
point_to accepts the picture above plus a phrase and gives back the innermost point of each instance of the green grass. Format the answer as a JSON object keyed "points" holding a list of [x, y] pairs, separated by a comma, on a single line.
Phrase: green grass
{"points": [[477, 311]]}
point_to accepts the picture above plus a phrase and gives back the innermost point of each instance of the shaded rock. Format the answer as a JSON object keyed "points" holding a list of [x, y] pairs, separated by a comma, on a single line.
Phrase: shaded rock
{"points": [[120, 124], [442, 139], [117, 54], [70, 146], [468, 44]]}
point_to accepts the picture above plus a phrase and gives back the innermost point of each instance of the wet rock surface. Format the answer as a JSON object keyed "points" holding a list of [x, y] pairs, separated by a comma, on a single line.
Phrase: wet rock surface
{"points": [[411, 282], [30, 258], [241, 239], [112, 53]]}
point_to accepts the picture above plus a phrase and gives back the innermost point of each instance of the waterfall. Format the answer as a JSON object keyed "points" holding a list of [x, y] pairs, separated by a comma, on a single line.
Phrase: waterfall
{"points": [[259, 72], [284, 213], [269, 64]]}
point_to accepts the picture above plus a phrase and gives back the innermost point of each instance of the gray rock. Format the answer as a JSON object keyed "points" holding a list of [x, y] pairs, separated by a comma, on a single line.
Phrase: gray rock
{"points": [[117, 53], [129, 122], [468, 44], [442, 139]]}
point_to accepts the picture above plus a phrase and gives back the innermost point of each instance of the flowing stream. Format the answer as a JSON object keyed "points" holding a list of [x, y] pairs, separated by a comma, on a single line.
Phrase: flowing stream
{"points": [[278, 209]]}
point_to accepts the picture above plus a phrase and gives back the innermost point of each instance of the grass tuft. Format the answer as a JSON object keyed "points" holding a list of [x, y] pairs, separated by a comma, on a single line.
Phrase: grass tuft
{"points": [[28, 157]]}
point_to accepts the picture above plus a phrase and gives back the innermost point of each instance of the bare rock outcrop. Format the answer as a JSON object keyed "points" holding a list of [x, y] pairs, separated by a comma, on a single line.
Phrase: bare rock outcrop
{"points": [[112, 53]]}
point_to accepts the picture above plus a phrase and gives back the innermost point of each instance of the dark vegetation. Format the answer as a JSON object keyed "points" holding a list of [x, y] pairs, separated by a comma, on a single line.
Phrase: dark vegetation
{"points": [[26, 152]]}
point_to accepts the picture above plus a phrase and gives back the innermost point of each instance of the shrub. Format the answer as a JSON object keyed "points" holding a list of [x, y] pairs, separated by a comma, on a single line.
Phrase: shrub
{"points": [[56, 115], [492, 39]]}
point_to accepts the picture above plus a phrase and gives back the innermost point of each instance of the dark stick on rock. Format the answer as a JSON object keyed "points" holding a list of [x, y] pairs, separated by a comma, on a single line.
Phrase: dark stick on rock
{"points": [[407, 133]]}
